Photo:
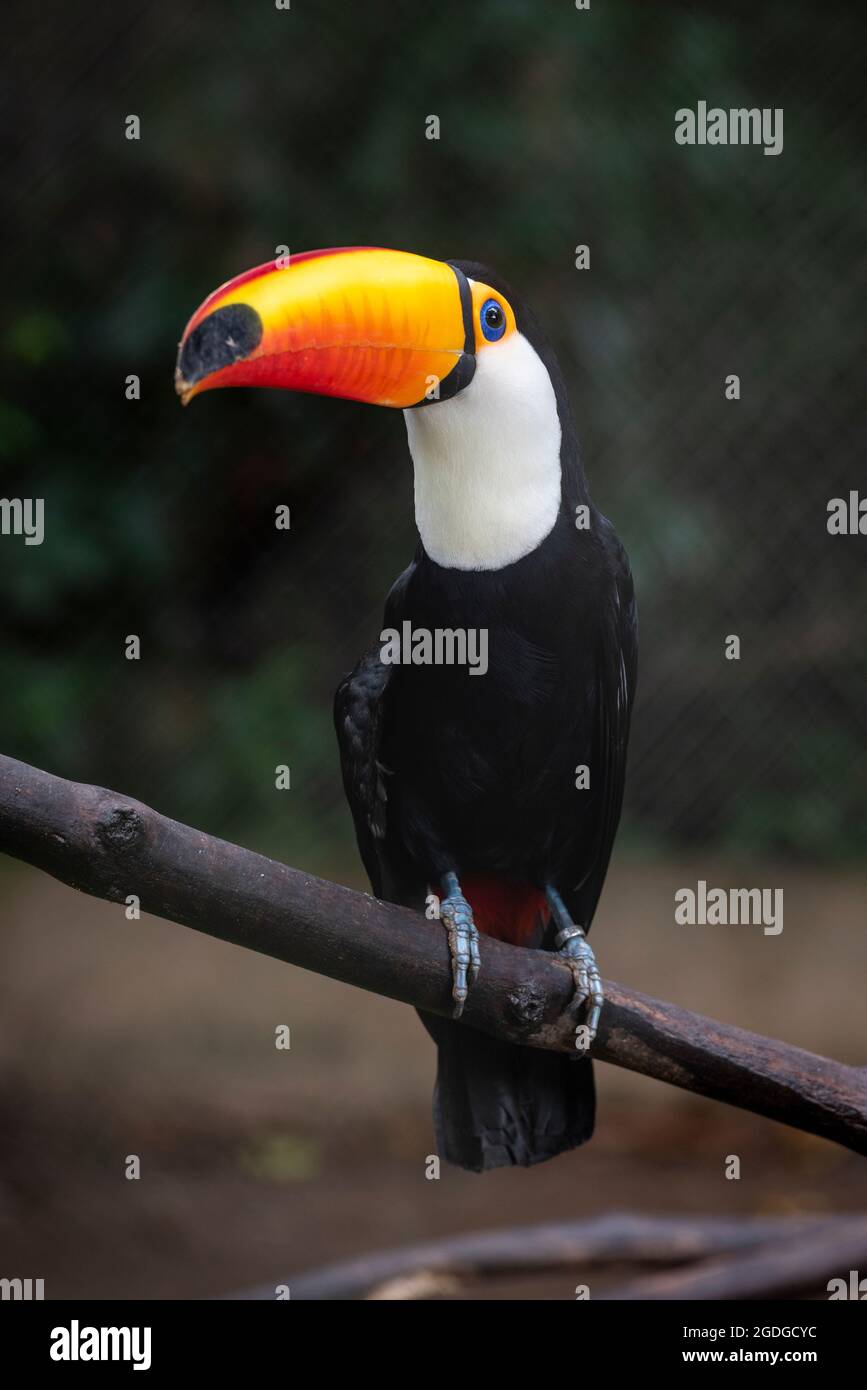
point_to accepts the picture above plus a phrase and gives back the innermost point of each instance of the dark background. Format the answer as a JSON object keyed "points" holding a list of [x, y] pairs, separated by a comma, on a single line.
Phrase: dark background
{"points": [[306, 127]]}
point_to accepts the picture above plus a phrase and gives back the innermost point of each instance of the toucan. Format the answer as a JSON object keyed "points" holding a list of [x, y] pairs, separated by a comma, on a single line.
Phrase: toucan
{"points": [[493, 793]]}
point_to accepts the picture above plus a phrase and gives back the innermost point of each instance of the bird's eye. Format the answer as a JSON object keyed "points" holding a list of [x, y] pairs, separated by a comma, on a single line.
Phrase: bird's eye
{"points": [[493, 320]]}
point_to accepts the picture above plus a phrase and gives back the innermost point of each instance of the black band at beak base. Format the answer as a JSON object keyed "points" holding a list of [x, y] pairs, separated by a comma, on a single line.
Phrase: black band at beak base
{"points": [[464, 369]]}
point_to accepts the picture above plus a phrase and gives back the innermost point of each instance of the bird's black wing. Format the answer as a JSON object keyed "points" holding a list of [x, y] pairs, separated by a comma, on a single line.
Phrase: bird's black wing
{"points": [[361, 707], [616, 673], [359, 712]]}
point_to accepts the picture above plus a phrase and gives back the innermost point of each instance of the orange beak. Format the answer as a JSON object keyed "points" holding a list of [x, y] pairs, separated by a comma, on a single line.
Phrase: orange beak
{"points": [[367, 324]]}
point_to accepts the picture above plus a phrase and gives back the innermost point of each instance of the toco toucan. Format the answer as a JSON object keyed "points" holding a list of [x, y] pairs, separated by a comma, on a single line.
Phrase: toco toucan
{"points": [[498, 790]]}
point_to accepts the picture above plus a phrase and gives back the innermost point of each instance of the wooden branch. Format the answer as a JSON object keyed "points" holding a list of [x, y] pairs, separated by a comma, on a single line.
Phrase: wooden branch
{"points": [[800, 1263], [444, 1266], [110, 846]]}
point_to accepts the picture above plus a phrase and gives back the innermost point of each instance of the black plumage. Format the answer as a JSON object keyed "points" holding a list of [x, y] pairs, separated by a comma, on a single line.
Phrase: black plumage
{"points": [[448, 771]]}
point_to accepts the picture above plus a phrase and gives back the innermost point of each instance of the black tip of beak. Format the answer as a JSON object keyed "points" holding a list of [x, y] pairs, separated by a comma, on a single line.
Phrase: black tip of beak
{"points": [[223, 338]]}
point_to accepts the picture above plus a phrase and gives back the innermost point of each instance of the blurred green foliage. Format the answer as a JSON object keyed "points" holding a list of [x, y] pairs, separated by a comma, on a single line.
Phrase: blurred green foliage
{"points": [[307, 127], [282, 1158]]}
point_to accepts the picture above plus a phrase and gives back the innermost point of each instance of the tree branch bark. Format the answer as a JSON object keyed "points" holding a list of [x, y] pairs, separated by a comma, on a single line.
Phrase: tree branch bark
{"points": [[111, 846], [575, 1247]]}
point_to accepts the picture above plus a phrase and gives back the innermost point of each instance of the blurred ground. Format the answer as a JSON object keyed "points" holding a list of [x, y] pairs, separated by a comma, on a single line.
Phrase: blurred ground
{"points": [[145, 1038]]}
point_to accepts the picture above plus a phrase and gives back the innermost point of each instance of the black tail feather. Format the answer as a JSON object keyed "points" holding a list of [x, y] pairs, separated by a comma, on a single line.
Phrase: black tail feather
{"points": [[497, 1104]]}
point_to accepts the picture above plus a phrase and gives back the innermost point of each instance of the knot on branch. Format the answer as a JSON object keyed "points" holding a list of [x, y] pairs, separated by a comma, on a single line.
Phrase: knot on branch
{"points": [[526, 1009], [119, 826]]}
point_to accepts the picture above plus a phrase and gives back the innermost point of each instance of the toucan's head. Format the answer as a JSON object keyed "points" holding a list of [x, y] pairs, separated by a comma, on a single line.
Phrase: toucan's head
{"points": [[433, 338]]}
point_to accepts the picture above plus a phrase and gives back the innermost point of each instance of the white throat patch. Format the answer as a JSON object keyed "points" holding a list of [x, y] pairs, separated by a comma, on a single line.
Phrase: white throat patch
{"points": [[487, 462]]}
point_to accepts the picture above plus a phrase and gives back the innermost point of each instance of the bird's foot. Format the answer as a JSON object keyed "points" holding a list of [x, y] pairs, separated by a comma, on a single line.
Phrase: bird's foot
{"points": [[575, 951], [456, 916]]}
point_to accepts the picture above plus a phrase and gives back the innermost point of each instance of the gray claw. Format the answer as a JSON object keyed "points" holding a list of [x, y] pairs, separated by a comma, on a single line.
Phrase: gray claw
{"points": [[457, 918], [578, 955]]}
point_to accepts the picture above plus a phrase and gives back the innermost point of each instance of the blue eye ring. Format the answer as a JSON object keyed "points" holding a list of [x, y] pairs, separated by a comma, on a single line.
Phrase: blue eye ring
{"points": [[493, 320]]}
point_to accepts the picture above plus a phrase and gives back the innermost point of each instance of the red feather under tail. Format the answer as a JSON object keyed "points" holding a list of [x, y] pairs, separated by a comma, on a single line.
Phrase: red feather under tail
{"points": [[507, 908]]}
